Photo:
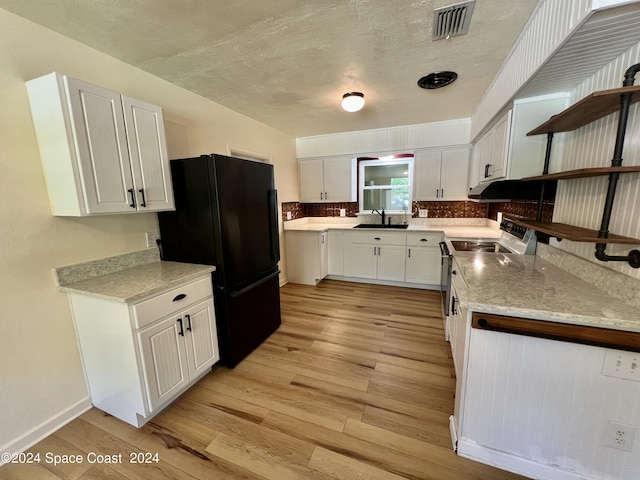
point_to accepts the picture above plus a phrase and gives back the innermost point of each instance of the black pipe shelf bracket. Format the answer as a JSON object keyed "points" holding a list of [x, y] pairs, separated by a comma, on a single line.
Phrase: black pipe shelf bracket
{"points": [[569, 121], [633, 258]]}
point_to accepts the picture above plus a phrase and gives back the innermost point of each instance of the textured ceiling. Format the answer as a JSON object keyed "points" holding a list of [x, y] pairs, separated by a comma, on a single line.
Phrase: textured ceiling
{"points": [[287, 63]]}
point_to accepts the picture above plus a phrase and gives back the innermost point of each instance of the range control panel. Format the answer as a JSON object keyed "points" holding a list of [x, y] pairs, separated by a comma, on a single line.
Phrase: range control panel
{"points": [[515, 230]]}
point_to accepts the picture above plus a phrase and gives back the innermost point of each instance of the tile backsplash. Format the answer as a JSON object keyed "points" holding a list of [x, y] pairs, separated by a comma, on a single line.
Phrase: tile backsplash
{"points": [[461, 209]]}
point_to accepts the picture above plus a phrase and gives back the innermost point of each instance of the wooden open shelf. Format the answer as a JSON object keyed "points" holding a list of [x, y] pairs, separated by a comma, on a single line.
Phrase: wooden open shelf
{"points": [[575, 234], [590, 108], [584, 173]]}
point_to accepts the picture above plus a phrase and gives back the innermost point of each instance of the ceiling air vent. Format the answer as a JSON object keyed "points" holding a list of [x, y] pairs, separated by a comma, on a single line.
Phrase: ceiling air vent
{"points": [[452, 20]]}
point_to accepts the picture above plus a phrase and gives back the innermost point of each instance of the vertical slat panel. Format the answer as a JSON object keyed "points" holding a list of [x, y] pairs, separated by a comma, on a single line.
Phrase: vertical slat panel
{"points": [[436, 134], [581, 202], [549, 26], [548, 402]]}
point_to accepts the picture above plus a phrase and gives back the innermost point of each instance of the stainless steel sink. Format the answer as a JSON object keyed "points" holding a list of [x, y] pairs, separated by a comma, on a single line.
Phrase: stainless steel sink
{"points": [[396, 226]]}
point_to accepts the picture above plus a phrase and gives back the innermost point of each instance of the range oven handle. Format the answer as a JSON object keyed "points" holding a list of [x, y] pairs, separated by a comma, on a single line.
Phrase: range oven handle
{"points": [[444, 250]]}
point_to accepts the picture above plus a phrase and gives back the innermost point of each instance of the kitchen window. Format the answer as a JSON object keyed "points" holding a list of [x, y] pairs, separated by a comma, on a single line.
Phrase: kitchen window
{"points": [[386, 183]]}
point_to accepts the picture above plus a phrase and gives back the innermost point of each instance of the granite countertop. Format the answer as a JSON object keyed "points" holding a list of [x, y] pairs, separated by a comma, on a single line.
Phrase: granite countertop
{"points": [[133, 284], [458, 230], [527, 286]]}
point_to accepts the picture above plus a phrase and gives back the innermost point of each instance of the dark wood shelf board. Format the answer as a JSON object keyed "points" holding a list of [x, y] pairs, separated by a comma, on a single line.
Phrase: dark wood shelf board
{"points": [[589, 109], [575, 234], [584, 173]]}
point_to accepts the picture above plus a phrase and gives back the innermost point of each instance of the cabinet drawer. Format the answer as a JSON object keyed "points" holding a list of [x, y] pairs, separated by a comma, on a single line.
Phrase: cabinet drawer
{"points": [[164, 304], [424, 239], [379, 238]]}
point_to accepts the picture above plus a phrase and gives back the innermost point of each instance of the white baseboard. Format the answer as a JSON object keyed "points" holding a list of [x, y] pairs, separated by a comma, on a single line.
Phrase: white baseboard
{"points": [[383, 282], [514, 464], [46, 428]]}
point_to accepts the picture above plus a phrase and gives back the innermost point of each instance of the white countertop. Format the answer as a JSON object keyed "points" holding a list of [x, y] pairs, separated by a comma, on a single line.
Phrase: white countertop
{"points": [[473, 229], [529, 287], [133, 284]]}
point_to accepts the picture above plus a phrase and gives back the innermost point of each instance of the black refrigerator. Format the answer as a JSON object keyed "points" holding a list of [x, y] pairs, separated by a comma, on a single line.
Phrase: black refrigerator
{"points": [[227, 215]]}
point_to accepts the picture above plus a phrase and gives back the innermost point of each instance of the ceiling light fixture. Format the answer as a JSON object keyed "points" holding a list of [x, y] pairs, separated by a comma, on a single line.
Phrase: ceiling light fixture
{"points": [[353, 101]]}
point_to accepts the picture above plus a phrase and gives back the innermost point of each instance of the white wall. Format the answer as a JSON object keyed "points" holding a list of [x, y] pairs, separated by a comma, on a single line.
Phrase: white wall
{"points": [[580, 202], [41, 379]]}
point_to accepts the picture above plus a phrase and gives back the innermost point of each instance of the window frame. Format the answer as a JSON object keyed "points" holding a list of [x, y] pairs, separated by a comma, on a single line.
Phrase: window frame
{"points": [[406, 159]]}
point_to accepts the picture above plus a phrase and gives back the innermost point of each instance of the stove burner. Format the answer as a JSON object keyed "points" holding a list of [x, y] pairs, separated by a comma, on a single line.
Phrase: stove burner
{"points": [[471, 246]]}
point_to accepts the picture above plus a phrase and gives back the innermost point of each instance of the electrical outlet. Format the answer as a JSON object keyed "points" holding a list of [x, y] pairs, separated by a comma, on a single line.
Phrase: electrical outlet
{"points": [[151, 239], [423, 213], [620, 436], [289, 216], [621, 365], [343, 212]]}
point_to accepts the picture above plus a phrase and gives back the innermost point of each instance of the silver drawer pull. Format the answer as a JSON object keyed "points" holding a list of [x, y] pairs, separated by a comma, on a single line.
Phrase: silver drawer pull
{"points": [[179, 297]]}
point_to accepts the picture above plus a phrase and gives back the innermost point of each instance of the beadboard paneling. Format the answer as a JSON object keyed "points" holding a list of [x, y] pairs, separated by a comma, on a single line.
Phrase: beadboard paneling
{"points": [[550, 25], [604, 36], [548, 402], [580, 202], [394, 139]]}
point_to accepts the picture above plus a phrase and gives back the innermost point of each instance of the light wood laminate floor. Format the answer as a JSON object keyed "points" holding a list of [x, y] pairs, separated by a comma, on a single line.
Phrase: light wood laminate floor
{"points": [[356, 384]]}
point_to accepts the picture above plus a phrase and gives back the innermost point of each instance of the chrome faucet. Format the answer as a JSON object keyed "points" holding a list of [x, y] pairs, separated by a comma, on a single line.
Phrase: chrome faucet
{"points": [[379, 213]]}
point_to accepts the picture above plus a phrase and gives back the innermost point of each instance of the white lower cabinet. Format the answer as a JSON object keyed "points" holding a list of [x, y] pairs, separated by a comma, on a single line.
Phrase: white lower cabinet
{"points": [[307, 254], [386, 256], [177, 350], [423, 258], [385, 262], [376, 255], [138, 357]]}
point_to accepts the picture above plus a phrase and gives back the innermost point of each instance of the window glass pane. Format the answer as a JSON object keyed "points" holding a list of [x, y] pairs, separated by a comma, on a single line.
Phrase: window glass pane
{"points": [[385, 174], [387, 198]]}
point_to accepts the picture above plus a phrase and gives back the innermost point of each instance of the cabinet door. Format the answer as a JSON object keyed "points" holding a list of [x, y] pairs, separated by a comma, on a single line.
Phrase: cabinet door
{"points": [[453, 174], [335, 252], [324, 255], [311, 180], [363, 260], [500, 147], [423, 265], [148, 153], [427, 175], [164, 359], [338, 180], [201, 337], [103, 156], [485, 153], [391, 265]]}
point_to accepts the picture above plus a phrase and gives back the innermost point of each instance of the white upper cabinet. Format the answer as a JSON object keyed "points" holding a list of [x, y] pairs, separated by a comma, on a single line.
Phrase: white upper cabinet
{"points": [[441, 174], [506, 151], [327, 180], [493, 150], [102, 153]]}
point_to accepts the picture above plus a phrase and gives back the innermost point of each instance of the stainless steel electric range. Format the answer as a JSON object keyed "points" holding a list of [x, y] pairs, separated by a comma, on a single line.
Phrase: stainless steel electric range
{"points": [[514, 239]]}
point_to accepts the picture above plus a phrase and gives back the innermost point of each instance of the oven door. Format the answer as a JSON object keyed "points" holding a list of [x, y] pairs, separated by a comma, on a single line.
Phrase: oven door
{"points": [[446, 261]]}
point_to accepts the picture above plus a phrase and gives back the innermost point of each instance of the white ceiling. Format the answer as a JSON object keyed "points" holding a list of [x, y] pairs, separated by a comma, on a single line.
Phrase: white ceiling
{"points": [[287, 63]]}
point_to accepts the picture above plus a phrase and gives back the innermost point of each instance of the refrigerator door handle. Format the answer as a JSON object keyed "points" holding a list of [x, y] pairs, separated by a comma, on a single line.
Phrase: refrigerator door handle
{"points": [[237, 293], [274, 235]]}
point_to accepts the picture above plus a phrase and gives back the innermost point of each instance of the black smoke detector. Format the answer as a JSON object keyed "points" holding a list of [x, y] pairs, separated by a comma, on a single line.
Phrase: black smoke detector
{"points": [[437, 80]]}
